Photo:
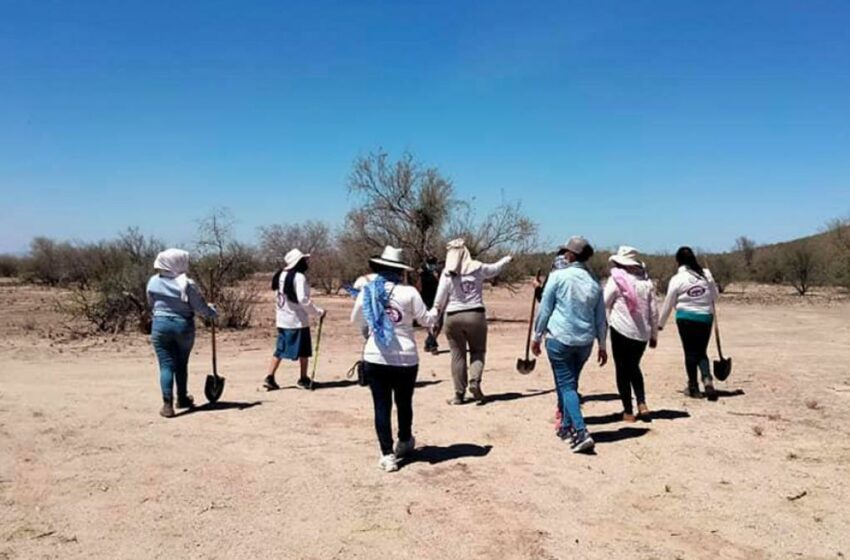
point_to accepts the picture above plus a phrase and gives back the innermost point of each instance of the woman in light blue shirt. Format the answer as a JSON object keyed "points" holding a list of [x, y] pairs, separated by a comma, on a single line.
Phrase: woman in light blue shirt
{"points": [[572, 316], [174, 299]]}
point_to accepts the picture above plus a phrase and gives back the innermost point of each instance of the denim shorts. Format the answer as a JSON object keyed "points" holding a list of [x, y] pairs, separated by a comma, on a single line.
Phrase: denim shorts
{"points": [[293, 344]]}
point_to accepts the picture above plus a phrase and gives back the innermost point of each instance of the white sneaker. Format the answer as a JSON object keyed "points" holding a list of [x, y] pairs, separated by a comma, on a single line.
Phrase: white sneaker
{"points": [[388, 463], [402, 448]]}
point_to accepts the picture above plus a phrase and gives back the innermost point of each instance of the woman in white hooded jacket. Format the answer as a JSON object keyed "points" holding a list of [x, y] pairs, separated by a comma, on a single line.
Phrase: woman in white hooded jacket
{"points": [[692, 292]]}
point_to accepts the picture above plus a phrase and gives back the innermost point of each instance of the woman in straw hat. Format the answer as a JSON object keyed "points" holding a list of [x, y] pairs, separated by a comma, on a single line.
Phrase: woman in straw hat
{"points": [[692, 292], [175, 300], [460, 295], [294, 308], [633, 317], [388, 309]]}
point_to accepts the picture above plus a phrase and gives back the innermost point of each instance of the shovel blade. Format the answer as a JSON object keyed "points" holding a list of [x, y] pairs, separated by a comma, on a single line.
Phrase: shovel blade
{"points": [[722, 368], [213, 388], [525, 366]]}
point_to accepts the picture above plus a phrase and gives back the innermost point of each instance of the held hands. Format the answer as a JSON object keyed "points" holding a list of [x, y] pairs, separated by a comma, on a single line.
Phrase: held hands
{"points": [[602, 357], [535, 347]]}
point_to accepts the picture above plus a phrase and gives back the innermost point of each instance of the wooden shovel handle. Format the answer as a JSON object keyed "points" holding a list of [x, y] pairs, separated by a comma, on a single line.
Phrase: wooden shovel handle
{"points": [[531, 319]]}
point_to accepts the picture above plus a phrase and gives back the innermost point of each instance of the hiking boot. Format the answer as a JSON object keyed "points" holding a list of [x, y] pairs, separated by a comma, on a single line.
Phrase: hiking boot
{"points": [[388, 463], [629, 417], [303, 383], [693, 392], [477, 395], [402, 448], [710, 391], [270, 384], [186, 401], [457, 399], [167, 410], [582, 442]]}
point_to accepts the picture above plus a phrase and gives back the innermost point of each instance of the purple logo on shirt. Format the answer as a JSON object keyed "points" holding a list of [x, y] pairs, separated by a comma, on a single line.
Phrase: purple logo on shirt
{"points": [[696, 291], [395, 314], [467, 287]]}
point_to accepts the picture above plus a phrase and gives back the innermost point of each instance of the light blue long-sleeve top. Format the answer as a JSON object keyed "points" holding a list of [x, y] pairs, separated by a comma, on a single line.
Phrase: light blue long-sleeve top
{"points": [[572, 309], [164, 299]]}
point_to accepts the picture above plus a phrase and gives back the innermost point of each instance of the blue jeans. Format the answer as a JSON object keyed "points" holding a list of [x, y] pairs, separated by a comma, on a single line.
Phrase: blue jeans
{"points": [[567, 362], [173, 338]]}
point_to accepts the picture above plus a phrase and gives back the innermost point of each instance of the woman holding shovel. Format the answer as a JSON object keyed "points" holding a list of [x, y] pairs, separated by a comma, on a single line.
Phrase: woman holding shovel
{"points": [[294, 308], [391, 361], [460, 295], [174, 300], [692, 292], [633, 316]]}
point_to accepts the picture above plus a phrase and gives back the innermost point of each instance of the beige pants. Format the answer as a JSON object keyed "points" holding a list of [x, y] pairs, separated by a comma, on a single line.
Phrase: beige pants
{"points": [[467, 331]]}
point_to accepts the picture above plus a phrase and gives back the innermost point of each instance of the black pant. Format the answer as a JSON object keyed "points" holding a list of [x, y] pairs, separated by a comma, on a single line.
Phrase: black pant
{"points": [[627, 355], [386, 382], [695, 336]]}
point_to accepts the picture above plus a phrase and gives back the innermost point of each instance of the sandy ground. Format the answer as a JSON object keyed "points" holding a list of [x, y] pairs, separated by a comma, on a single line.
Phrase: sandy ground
{"points": [[89, 470]]}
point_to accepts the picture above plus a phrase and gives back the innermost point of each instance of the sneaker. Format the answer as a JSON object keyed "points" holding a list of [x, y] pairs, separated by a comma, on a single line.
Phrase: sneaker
{"points": [[303, 383], [167, 410], [582, 442], [693, 392], [477, 395], [388, 463], [270, 384], [710, 391], [186, 401], [457, 399], [644, 414], [566, 433], [629, 417], [403, 448], [435, 351]]}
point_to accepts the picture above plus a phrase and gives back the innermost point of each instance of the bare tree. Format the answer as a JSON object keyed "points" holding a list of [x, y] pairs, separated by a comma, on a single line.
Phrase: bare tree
{"points": [[505, 229], [401, 203], [747, 248], [311, 237], [801, 266]]}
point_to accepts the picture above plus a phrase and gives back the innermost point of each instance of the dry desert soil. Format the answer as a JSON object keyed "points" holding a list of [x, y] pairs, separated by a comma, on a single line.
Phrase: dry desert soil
{"points": [[89, 470]]}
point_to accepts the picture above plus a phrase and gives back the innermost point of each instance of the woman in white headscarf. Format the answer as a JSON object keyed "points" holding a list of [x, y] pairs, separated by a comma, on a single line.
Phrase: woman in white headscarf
{"points": [[460, 295], [174, 300]]}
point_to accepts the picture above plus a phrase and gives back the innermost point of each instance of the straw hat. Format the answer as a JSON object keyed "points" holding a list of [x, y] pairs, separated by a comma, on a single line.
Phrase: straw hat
{"points": [[626, 256], [392, 257], [292, 258]]}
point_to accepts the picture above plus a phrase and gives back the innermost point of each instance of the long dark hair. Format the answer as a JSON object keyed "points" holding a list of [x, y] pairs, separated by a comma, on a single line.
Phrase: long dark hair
{"points": [[685, 257]]}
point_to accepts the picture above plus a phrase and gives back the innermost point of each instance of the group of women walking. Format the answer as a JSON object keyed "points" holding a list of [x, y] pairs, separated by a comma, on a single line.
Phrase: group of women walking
{"points": [[575, 314]]}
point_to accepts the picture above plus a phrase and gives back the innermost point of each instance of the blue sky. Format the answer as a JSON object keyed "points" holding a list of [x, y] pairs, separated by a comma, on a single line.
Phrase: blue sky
{"points": [[653, 123]]}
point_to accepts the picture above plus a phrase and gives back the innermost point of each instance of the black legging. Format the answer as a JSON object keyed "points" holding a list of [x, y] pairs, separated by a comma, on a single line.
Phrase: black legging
{"points": [[387, 382], [695, 336], [627, 355]]}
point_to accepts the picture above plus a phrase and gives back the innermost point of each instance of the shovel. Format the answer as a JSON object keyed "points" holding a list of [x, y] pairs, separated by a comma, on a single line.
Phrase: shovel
{"points": [[214, 385], [316, 357], [526, 366], [723, 366]]}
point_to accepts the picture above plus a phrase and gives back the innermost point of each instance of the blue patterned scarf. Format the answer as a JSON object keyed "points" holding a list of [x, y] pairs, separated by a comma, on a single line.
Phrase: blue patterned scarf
{"points": [[375, 303]]}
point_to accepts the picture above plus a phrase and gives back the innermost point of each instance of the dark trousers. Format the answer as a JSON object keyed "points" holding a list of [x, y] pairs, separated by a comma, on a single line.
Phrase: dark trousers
{"points": [[387, 382], [627, 355], [695, 336]]}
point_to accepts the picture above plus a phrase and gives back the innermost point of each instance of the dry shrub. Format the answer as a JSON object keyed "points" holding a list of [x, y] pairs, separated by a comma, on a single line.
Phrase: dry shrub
{"points": [[10, 266]]}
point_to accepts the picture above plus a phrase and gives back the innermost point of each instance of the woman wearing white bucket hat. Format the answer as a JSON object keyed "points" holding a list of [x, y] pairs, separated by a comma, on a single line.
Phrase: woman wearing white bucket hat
{"points": [[633, 318], [294, 308], [388, 309]]}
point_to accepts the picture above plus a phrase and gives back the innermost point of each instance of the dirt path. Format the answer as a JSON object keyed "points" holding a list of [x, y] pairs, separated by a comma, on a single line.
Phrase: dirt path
{"points": [[88, 469]]}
